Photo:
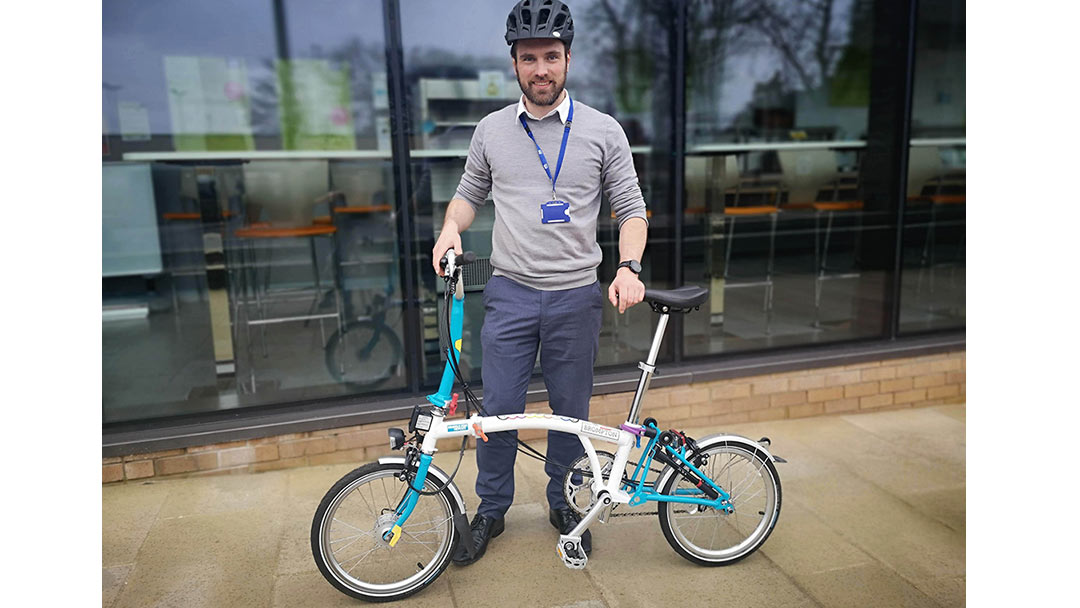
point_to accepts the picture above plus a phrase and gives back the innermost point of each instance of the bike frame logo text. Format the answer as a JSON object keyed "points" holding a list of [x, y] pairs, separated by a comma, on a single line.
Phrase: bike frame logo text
{"points": [[598, 430]]}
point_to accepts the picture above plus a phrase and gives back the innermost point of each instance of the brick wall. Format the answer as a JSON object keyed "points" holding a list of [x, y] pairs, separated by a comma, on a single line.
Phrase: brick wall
{"points": [[875, 385]]}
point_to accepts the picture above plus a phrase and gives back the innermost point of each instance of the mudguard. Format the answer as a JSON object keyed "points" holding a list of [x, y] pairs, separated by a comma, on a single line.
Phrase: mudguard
{"points": [[708, 440]]}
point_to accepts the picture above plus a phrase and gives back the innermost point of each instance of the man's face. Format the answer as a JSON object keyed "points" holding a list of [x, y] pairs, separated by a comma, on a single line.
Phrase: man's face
{"points": [[541, 67]]}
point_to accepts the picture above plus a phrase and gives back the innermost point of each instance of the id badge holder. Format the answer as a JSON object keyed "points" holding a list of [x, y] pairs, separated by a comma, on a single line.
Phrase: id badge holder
{"points": [[555, 212]]}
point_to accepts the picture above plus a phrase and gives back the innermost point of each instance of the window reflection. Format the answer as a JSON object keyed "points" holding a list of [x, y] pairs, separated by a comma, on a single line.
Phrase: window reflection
{"points": [[279, 277], [934, 253], [777, 114]]}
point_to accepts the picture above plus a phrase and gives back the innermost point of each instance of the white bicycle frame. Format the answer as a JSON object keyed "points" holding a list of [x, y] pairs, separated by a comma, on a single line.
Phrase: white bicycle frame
{"points": [[608, 492]]}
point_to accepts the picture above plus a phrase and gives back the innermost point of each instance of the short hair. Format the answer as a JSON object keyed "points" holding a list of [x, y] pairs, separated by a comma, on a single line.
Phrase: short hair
{"points": [[513, 48]]}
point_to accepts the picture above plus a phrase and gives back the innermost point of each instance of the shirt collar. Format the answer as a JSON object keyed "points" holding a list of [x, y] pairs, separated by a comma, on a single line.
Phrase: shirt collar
{"points": [[563, 109]]}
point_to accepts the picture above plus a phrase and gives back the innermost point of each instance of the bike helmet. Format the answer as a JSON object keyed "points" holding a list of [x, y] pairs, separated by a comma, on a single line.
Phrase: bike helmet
{"points": [[540, 19]]}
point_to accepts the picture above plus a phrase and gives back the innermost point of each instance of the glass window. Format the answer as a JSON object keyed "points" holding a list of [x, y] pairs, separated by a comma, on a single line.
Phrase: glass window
{"points": [[933, 277], [250, 245], [201, 76], [777, 115], [618, 64]]}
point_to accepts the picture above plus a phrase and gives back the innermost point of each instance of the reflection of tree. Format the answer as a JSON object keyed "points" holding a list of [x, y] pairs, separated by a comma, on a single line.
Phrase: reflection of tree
{"points": [[802, 32], [627, 41], [815, 45], [631, 49]]}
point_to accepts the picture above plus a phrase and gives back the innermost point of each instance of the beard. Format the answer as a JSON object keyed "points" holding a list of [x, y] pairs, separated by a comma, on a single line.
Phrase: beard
{"points": [[545, 98]]}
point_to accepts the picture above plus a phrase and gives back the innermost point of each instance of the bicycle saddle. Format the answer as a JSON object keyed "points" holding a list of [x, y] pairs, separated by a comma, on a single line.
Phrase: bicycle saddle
{"points": [[683, 299]]}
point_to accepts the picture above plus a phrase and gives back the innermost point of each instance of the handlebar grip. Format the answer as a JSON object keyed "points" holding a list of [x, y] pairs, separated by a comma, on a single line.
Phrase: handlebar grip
{"points": [[450, 258]]}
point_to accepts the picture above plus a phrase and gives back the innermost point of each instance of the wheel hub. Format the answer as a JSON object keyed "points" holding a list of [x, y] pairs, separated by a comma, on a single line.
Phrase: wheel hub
{"points": [[384, 524]]}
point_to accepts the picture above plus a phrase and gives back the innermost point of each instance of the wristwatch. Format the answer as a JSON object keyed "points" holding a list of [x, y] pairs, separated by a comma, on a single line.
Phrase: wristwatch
{"points": [[633, 265]]}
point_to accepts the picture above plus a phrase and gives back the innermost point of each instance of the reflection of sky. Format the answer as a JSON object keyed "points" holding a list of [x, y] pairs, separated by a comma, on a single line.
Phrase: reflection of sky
{"points": [[138, 34], [478, 28], [474, 28]]}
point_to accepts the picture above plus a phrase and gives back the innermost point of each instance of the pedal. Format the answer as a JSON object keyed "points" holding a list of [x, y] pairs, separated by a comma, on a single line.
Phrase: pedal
{"points": [[569, 549]]}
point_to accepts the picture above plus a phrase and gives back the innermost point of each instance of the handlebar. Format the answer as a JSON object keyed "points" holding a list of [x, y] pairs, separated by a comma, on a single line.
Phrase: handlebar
{"points": [[451, 261]]}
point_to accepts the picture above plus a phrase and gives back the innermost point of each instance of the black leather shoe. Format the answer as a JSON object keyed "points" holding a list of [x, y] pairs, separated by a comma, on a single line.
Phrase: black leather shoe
{"points": [[483, 529], [566, 520]]}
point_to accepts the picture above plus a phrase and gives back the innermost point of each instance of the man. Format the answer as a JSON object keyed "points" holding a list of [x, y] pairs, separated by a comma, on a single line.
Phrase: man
{"points": [[543, 293]]}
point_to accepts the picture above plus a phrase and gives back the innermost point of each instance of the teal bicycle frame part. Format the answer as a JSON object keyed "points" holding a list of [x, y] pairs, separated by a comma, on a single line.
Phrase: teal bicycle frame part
{"points": [[405, 508], [645, 493], [453, 352]]}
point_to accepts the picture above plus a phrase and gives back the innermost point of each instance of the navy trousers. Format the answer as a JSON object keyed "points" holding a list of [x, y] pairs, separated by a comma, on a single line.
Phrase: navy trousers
{"points": [[565, 327]]}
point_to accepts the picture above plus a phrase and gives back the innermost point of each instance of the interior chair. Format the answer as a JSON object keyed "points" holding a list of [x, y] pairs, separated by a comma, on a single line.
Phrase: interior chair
{"points": [[182, 230], [737, 201], [933, 189], [806, 175], [279, 199], [182, 248]]}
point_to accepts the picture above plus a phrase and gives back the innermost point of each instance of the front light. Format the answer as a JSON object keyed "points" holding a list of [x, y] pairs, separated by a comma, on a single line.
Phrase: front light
{"points": [[397, 438]]}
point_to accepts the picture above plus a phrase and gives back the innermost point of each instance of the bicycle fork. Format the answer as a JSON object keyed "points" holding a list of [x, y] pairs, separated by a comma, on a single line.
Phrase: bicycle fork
{"points": [[408, 503]]}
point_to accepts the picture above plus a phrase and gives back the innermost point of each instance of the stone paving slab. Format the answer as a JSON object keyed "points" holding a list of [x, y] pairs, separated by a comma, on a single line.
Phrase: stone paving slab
{"points": [[873, 514]]}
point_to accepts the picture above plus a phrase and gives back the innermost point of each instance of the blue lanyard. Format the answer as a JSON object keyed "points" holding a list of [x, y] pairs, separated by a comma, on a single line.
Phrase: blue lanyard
{"points": [[562, 149]]}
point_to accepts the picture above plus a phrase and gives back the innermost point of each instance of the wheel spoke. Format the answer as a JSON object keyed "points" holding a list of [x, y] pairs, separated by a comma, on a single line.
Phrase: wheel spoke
{"points": [[718, 536], [362, 558], [353, 554]]}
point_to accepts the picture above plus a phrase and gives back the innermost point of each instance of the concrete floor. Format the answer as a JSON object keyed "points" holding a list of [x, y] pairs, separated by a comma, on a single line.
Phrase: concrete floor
{"points": [[873, 515]]}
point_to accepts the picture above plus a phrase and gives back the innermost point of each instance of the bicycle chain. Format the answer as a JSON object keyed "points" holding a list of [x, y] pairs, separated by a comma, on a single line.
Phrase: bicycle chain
{"points": [[634, 514]]}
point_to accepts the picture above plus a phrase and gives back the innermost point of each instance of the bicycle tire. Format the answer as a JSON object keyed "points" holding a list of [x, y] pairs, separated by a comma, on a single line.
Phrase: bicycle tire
{"points": [[357, 510], [367, 365], [746, 472]]}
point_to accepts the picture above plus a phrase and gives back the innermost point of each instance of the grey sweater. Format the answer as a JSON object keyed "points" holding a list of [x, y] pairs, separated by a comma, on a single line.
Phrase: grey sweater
{"points": [[503, 161]]}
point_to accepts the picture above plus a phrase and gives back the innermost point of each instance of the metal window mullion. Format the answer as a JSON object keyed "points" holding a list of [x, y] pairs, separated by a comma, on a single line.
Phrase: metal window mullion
{"points": [[902, 166], [401, 162], [678, 97]]}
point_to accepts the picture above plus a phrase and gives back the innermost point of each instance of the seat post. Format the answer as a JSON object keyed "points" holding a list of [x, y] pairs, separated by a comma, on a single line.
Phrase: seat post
{"points": [[649, 366]]}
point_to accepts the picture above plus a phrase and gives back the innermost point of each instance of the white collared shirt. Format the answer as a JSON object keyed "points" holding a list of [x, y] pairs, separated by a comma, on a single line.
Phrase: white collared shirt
{"points": [[563, 109]]}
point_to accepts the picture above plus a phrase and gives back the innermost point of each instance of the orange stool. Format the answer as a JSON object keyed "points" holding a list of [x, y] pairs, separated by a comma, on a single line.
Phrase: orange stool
{"points": [[731, 214], [263, 232]]}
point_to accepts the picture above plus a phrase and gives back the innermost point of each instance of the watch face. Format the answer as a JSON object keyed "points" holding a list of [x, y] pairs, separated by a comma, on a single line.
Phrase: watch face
{"points": [[633, 265]]}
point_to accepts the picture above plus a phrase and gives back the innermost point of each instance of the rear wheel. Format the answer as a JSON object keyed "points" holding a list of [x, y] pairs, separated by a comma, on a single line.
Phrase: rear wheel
{"points": [[347, 535], [363, 355], [713, 537]]}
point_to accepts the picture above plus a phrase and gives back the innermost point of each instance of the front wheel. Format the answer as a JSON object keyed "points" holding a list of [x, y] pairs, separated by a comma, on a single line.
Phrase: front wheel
{"points": [[347, 535], [712, 537]]}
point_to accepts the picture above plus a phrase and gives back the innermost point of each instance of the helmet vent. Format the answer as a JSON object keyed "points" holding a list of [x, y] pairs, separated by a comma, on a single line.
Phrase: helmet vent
{"points": [[560, 19], [526, 18], [512, 22], [543, 18]]}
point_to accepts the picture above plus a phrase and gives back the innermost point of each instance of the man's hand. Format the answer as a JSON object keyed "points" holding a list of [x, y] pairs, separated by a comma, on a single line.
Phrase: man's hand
{"points": [[626, 290], [449, 238]]}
